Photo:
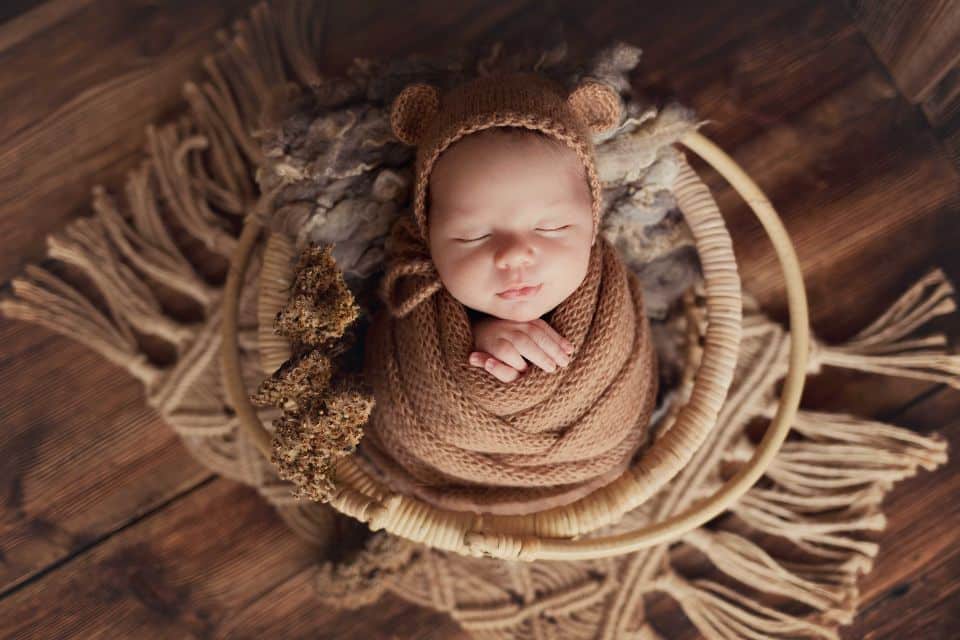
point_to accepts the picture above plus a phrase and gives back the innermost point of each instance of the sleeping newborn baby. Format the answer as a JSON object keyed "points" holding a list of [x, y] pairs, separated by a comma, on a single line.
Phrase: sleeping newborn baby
{"points": [[510, 230], [512, 366]]}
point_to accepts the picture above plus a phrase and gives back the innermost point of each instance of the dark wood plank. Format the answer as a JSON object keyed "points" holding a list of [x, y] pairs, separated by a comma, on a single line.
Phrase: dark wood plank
{"points": [[858, 179], [870, 203], [290, 611], [83, 455], [14, 8], [74, 100], [396, 29], [62, 496], [850, 166], [796, 95], [918, 41], [184, 571], [942, 109], [217, 563], [811, 116]]}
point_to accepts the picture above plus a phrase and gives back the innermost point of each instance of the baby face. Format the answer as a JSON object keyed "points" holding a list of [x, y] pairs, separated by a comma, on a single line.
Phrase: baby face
{"points": [[506, 212]]}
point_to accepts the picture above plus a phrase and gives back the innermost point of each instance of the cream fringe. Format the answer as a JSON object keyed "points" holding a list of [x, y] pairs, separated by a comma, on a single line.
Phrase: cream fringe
{"points": [[881, 347], [822, 491]]}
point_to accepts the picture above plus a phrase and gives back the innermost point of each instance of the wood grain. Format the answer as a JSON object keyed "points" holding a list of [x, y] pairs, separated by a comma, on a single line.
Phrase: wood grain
{"points": [[114, 67], [88, 456], [919, 43], [83, 456], [109, 527], [179, 572], [291, 611]]}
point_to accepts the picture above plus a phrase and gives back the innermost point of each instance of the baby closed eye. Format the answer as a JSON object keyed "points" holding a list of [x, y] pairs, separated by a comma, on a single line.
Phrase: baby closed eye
{"points": [[477, 239]]}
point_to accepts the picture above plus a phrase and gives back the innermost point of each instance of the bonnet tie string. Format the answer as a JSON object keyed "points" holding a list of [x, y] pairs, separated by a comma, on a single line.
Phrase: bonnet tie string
{"points": [[411, 258]]}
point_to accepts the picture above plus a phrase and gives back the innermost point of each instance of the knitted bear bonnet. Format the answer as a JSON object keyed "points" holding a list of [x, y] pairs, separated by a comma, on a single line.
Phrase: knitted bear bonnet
{"points": [[421, 116]]}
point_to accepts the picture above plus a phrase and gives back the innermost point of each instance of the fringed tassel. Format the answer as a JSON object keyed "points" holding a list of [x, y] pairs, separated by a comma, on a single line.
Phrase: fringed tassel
{"points": [[168, 151], [881, 347], [85, 244], [868, 451], [44, 299], [147, 243], [744, 561], [825, 536], [723, 614], [298, 28], [845, 460], [829, 484]]}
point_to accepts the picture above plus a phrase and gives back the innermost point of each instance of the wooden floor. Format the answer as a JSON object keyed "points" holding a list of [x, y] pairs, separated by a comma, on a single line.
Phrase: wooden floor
{"points": [[108, 526]]}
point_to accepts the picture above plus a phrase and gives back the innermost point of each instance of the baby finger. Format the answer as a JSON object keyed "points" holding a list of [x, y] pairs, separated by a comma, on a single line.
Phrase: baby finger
{"points": [[502, 372], [563, 342], [507, 352], [549, 344], [533, 352]]}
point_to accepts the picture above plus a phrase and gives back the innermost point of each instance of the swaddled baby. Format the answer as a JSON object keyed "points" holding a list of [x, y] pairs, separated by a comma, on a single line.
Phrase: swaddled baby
{"points": [[512, 367]]}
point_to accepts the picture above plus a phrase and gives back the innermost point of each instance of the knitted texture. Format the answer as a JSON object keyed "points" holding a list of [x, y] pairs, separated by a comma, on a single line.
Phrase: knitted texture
{"points": [[518, 99], [453, 434], [457, 437]]}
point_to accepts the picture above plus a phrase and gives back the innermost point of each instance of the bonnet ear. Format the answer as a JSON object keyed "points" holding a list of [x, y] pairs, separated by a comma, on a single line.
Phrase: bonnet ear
{"points": [[597, 104], [413, 110]]}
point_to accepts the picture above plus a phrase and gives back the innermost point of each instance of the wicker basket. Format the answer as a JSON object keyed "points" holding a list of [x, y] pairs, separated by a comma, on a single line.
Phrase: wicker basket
{"points": [[556, 533]]}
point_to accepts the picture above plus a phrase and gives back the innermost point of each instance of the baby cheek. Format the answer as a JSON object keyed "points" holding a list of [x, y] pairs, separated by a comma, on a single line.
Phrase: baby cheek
{"points": [[464, 273], [568, 250]]}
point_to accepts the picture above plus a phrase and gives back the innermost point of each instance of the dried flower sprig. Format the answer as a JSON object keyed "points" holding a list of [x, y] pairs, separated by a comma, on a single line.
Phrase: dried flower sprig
{"points": [[321, 306], [323, 411], [306, 446]]}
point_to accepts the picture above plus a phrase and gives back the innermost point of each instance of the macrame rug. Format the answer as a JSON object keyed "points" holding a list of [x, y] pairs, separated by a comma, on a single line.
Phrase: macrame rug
{"points": [[140, 281]]}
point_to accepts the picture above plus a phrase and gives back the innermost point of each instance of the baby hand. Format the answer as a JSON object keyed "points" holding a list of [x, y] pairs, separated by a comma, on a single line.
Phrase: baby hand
{"points": [[502, 345]]}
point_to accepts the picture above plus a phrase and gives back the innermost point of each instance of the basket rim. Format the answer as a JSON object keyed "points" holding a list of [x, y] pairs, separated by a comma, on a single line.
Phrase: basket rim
{"points": [[554, 531]]}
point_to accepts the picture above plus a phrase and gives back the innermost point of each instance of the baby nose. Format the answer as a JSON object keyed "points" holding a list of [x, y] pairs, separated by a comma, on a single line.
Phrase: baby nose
{"points": [[514, 252]]}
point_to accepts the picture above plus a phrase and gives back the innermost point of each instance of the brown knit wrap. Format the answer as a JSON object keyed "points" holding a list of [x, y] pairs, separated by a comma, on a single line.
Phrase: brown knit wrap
{"points": [[453, 434]]}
